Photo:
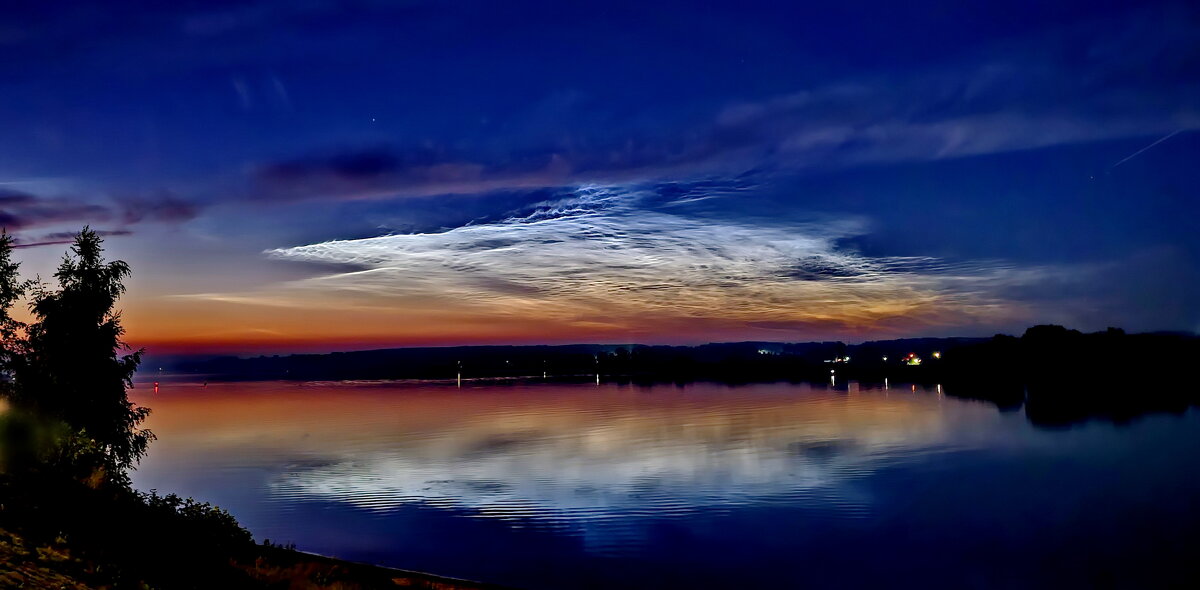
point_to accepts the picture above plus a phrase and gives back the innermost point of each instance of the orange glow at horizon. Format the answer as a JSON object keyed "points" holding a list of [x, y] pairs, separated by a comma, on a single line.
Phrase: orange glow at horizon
{"points": [[595, 267], [172, 326]]}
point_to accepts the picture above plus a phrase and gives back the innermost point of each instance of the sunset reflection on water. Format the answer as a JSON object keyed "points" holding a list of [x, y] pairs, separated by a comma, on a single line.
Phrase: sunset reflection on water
{"points": [[552, 452], [406, 474]]}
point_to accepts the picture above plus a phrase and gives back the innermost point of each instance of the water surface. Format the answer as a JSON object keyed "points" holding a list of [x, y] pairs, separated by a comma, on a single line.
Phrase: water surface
{"points": [[567, 485]]}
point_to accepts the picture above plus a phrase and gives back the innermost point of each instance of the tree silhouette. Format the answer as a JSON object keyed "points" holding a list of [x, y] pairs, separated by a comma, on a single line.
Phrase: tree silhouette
{"points": [[72, 368], [11, 289]]}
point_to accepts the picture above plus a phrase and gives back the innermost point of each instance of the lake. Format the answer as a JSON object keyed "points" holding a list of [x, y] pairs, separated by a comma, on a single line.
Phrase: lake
{"points": [[544, 485]]}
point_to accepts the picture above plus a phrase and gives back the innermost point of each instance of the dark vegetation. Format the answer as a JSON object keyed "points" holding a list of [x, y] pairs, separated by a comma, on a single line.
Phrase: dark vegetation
{"points": [[730, 362], [1058, 375], [70, 436], [1062, 376]]}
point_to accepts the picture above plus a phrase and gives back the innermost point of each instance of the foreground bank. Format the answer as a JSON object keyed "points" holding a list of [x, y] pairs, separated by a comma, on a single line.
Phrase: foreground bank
{"points": [[73, 537]]}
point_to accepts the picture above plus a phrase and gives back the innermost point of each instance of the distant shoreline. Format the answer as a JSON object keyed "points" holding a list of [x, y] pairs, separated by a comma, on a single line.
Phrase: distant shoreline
{"points": [[1058, 375]]}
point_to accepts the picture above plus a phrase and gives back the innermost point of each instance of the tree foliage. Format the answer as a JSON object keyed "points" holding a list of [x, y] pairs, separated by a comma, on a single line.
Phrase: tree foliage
{"points": [[11, 290], [70, 365]]}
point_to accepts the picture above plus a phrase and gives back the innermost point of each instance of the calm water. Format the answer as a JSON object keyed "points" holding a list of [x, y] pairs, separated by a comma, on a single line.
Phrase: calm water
{"points": [[562, 486]]}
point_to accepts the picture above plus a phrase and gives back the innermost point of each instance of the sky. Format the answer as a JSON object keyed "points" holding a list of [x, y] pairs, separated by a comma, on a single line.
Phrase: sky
{"points": [[309, 175]]}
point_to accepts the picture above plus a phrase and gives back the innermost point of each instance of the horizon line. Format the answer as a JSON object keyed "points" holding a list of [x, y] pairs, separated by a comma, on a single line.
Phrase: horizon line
{"points": [[293, 352]]}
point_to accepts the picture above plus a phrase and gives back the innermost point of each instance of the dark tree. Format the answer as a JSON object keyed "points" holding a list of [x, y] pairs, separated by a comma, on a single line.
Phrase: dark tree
{"points": [[73, 368], [11, 289]]}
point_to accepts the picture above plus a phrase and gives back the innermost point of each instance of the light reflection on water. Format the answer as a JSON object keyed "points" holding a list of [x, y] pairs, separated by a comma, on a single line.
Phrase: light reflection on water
{"points": [[487, 481]]}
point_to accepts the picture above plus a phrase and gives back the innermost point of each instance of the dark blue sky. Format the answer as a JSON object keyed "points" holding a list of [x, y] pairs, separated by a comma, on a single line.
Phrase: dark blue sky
{"points": [[304, 174]]}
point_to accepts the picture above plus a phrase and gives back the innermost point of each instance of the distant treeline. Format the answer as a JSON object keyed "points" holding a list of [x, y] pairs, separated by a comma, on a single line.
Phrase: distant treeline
{"points": [[733, 362], [1059, 374]]}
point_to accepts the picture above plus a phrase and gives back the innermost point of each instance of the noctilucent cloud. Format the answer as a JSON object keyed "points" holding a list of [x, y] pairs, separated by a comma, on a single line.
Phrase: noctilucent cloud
{"points": [[314, 175]]}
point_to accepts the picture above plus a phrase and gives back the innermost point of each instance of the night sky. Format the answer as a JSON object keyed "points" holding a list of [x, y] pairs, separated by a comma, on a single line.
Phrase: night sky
{"points": [[309, 175]]}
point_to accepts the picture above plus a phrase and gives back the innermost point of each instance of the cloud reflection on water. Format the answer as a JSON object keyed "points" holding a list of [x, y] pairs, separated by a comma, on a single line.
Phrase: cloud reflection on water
{"points": [[593, 461]]}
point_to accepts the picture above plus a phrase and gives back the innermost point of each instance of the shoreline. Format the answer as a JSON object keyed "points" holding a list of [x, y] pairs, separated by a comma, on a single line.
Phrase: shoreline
{"points": [[399, 577], [27, 562]]}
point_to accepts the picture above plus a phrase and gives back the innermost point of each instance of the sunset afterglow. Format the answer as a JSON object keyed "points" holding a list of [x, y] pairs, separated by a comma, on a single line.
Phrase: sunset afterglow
{"points": [[391, 186]]}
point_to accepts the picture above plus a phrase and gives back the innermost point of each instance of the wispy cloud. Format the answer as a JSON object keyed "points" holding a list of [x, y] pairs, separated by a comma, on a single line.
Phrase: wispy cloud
{"points": [[60, 238], [21, 210], [1088, 82], [860, 122], [606, 258], [38, 220]]}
